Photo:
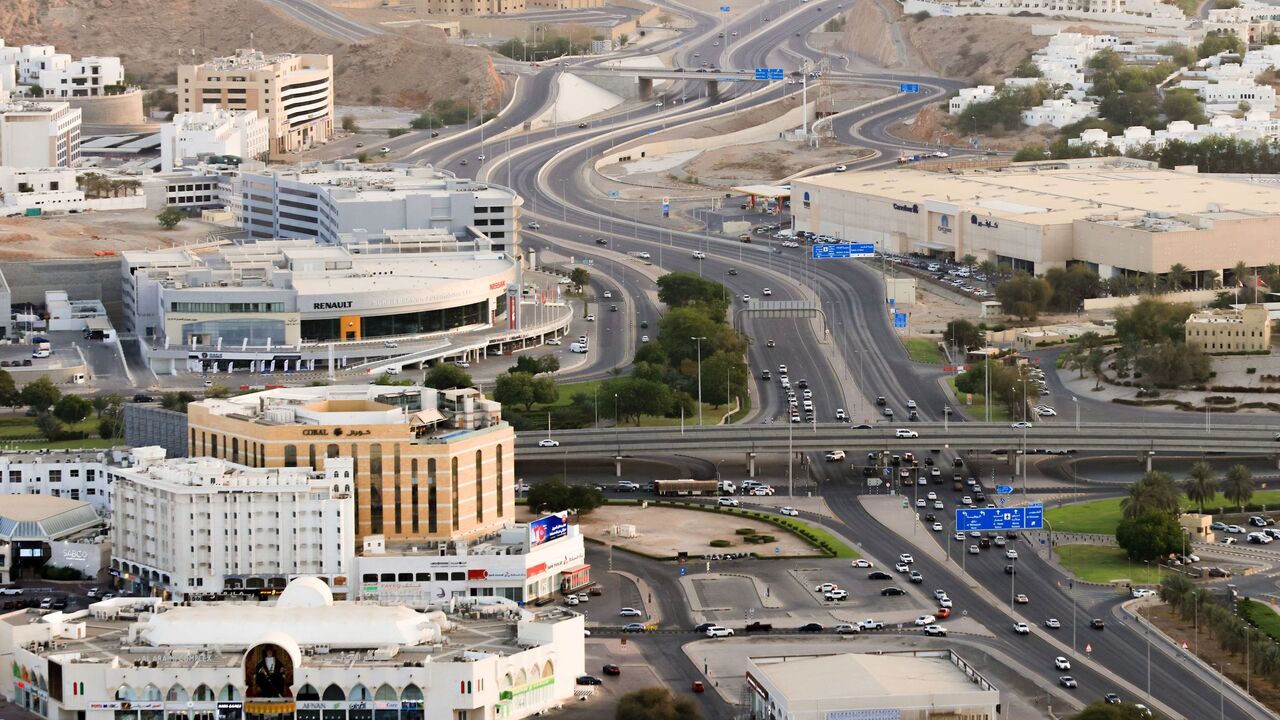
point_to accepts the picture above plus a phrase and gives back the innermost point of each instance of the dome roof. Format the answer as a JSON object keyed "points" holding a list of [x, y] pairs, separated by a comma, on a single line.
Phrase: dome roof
{"points": [[305, 592]]}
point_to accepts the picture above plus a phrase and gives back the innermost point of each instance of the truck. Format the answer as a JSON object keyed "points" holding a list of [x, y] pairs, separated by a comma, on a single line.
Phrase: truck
{"points": [[41, 348], [726, 486], [870, 624], [686, 487]]}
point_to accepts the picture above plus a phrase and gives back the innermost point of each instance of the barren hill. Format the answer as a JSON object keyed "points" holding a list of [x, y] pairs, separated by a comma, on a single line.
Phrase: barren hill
{"points": [[408, 69]]}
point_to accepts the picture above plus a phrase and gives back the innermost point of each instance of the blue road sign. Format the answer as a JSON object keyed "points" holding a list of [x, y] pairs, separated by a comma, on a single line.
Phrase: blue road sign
{"points": [[836, 251], [769, 74], [762, 73], [682, 571], [614, 194], [899, 320], [887, 472], [776, 74], [724, 8], [1029, 517], [909, 87], [1004, 489]]}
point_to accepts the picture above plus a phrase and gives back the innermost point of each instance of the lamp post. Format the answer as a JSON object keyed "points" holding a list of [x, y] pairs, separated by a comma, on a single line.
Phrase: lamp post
{"points": [[1076, 402], [1222, 693], [699, 341]]}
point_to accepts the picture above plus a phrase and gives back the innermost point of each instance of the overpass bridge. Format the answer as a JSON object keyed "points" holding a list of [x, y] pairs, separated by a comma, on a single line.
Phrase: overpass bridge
{"points": [[638, 82], [1142, 441]]}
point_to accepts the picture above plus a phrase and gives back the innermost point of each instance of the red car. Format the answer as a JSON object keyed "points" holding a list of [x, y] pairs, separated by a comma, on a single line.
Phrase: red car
{"points": [[698, 686], [942, 613], [612, 669]]}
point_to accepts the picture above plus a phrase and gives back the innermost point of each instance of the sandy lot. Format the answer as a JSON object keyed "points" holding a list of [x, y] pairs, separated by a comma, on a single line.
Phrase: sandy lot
{"points": [[85, 234], [666, 531], [767, 161]]}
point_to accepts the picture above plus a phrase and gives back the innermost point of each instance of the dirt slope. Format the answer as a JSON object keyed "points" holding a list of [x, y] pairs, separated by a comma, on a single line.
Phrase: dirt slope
{"points": [[154, 36]]}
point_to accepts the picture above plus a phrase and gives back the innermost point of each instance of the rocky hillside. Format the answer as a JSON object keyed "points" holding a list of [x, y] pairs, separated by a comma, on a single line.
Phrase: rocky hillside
{"points": [[409, 69]]}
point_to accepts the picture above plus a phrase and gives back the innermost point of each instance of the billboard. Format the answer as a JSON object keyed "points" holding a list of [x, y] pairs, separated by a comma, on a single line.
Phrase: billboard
{"points": [[268, 672], [551, 527]]}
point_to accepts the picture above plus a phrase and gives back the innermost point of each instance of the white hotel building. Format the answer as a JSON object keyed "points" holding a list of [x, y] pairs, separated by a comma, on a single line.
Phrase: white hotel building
{"points": [[213, 131], [305, 657], [38, 134], [204, 526]]}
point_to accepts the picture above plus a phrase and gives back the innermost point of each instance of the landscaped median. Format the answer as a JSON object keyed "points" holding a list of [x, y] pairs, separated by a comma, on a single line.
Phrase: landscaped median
{"points": [[922, 350], [1105, 564], [1103, 516]]}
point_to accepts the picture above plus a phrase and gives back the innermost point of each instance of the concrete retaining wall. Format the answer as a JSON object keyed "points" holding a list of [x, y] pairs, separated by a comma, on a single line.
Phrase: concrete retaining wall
{"points": [[657, 148], [153, 425], [1196, 297], [82, 278], [122, 109]]}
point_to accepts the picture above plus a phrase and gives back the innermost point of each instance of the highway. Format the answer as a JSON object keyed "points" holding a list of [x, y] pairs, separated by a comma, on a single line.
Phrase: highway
{"points": [[325, 21]]}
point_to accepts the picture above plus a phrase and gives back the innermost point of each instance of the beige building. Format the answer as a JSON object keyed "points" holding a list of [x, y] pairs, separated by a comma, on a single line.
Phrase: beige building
{"points": [[1225, 331], [293, 92], [1118, 215], [429, 467]]}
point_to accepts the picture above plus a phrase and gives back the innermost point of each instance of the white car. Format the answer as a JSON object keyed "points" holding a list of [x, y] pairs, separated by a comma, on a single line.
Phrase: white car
{"points": [[1021, 628], [548, 442], [944, 602], [1021, 425], [699, 255], [902, 567], [841, 168], [861, 563], [644, 338], [766, 292], [1011, 554], [554, 341], [836, 595], [939, 505], [958, 536], [533, 225], [906, 433], [728, 502], [608, 295], [629, 612], [1047, 411], [790, 511], [826, 587], [1061, 663], [932, 496], [906, 558], [966, 500], [591, 318], [462, 363], [937, 527], [716, 631], [925, 620], [935, 631]]}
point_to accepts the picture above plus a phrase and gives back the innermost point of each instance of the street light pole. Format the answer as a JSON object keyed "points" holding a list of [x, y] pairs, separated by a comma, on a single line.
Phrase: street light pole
{"points": [[1076, 402], [699, 341]]}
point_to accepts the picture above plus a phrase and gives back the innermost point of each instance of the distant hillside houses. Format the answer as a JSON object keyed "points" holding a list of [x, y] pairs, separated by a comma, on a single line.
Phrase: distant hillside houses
{"points": [[1255, 125]]}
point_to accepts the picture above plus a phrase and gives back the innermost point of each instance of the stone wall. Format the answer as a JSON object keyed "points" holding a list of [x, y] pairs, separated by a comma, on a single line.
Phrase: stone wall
{"points": [[122, 109]]}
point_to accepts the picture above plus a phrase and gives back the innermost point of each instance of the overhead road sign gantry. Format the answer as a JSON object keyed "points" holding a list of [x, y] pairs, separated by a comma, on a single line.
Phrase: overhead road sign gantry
{"points": [[836, 251], [1028, 517]]}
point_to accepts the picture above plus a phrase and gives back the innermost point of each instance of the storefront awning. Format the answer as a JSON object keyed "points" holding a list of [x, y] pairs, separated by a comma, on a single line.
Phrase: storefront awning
{"points": [[575, 570]]}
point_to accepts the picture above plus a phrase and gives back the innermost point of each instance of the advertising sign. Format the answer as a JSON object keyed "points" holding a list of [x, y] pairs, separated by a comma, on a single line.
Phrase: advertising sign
{"points": [[551, 527]]}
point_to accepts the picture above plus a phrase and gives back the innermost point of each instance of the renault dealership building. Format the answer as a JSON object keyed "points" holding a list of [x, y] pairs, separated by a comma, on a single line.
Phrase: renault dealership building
{"points": [[1118, 215]]}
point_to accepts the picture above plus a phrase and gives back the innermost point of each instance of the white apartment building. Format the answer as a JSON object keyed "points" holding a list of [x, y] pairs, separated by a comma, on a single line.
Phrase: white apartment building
{"points": [[1255, 125], [1058, 113], [39, 134], [1230, 95], [57, 74], [1251, 21], [294, 93], [73, 474], [968, 96], [204, 526], [326, 201], [213, 131]]}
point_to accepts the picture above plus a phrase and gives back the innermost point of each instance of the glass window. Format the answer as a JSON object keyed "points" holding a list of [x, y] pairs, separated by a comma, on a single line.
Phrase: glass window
{"points": [[432, 507], [413, 494], [453, 490], [290, 456], [498, 459], [479, 486], [375, 488]]}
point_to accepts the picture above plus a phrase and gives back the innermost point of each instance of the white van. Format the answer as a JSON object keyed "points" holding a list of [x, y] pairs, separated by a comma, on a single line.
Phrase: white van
{"points": [[580, 348]]}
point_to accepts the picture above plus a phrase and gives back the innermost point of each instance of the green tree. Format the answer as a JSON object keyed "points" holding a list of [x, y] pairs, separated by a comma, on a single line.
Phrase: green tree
{"points": [[723, 376], [1028, 69], [49, 426], [1181, 104], [580, 277], [1151, 320], [1153, 535], [1167, 363], [169, 217], [1154, 491], [636, 397], [1178, 276], [111, 421], [679, 326], [1179, 53], [217, 391], [40, 395], [446, 376], [1030, 153], [71, 409], [682, 290], [653, 354], [9, 395], [1024, 296], [177, 401], [549, 496], [656, 703], [521, 388], [582, 499], [963, 334], [1238, 486], [1106, 61], [1071, 286], [1216, 42], [1201, 486], [349, 124]]}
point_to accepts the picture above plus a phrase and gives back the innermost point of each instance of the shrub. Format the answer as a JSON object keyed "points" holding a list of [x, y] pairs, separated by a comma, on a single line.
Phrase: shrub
{"points": [[720, 543], [745, 531], [1250, 371]]}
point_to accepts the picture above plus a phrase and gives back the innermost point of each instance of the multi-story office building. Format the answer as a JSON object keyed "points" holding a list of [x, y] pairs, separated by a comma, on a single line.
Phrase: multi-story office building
{"points": [[429, 467], [334, 202], [294, 93], [213, 131], [39, 134], [74, 474], [204, 526]]}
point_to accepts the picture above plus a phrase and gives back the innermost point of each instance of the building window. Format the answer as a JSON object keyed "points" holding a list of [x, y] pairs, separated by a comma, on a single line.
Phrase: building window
{"points": [[432, 507], [498, 458], [311, 457], [479, 486], [395, 471], [375, 488], [290, 456], [453, 479], [214, 445], [413, 494], [235, 450], [262, 455]]}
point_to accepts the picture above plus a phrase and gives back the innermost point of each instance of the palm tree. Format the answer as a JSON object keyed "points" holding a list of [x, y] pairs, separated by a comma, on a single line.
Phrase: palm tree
{"points": [[1211, 279], [1201, 486], [1153, 491], [1239, 273], [988, 268], [1238, 487], [1177, 276]]}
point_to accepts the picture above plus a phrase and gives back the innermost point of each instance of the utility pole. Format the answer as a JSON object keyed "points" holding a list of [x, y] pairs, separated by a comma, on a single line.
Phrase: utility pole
{"points": [[699, 341]]}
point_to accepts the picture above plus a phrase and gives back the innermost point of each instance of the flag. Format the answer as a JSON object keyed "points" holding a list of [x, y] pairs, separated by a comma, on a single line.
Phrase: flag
{"points": [[1259, 281]]}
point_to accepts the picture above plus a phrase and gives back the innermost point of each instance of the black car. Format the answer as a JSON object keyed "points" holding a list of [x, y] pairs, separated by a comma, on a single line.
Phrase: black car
{"points": [[863, 426], [759, 627], [1112, 699], [142, 398], [892, 591], [881, 401], [958, 462], [733, 271], [601, 241], [1097, 624], [930, 517], [589, 680], [803, 384], [703, 627], [879, 575], [644, 324], [611, 669], [811, 627], [1010, 570]]}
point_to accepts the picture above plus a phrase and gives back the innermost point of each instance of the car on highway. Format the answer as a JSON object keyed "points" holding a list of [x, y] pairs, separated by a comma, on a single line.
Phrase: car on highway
{"points": [[589, 680], [870, 624], [1021, 628], [384, 149], [548, 442], [847, 629], [939, 505], [1067, 681], [1053, 624], [644, 338], [1021, 599], [902, 567], [937, 527], [904, 432], [718, 631], [633, 628], [810, 627], [766, 292], [879, 575], [906, 558], [1021, 425], [629, 612], [699, 255], [1061, 663], [945, 603], [958, 536], [1011, 554], [1112, 699], [727, 502], [861, 563], [1046, 411], [841, 168], [935, 631], [925, 620], [1097, 624], [892, 592], [915, 577]]}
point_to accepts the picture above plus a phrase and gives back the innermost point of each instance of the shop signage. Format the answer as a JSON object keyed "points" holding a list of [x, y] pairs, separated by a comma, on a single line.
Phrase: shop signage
{"points": [[944, 224], [386, 704], [331, 305], [903, 207], [230, 705], [337, 432], [106, 706], [497, 285], [973, 220]]}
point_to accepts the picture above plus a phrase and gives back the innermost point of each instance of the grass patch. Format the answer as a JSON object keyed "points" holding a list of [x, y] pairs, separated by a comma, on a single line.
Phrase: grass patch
{"points": [[978, 410], [1261, 616], [90, 443], [21, 427], [564, 397], [1102, 516], [1102, 564], [819, 536], [923, 351]]}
